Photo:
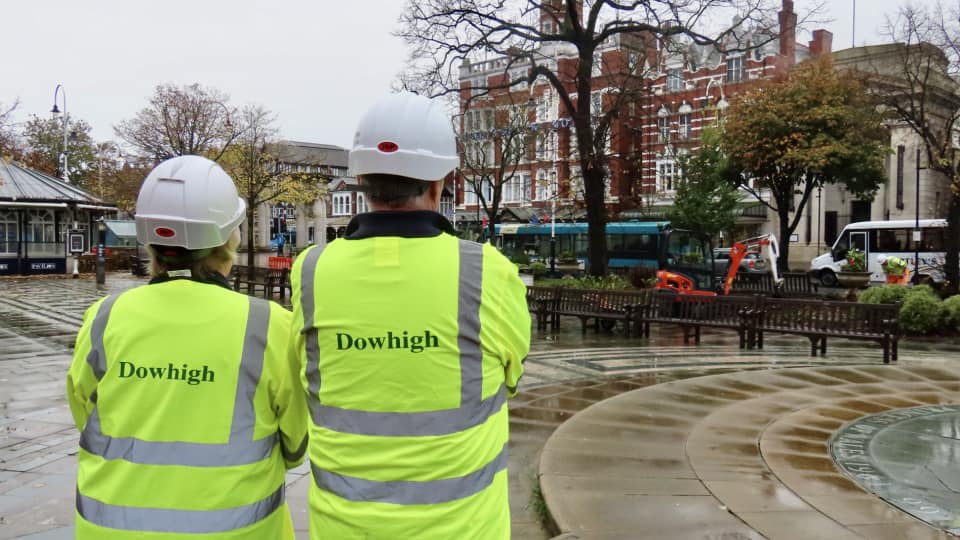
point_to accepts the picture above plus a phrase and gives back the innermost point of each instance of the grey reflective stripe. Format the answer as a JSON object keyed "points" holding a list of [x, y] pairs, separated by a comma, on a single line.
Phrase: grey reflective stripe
{"points": [[251, 367], [172, 453], [241, 448], [398, 424], [132, 518], [308, 302], [473, 410], [96, 358], [409, 492], [468, 319]]}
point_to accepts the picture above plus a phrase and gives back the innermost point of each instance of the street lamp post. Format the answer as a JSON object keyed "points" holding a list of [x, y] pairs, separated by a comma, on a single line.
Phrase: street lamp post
{"points": [[916, 226], [819, 214], [553, 222], [60, 90], [65, 173], [101, 251]]}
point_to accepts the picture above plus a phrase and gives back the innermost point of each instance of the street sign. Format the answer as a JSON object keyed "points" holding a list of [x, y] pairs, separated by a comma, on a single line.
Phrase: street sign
{"points": [[75, 242]]}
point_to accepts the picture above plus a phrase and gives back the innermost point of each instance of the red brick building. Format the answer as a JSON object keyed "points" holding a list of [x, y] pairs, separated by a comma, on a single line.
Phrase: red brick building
{"points": [[674, 90]]}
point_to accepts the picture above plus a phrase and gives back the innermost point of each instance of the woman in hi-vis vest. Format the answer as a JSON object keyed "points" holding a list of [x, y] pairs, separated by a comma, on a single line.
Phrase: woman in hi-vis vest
{"points": [[189, 407]]}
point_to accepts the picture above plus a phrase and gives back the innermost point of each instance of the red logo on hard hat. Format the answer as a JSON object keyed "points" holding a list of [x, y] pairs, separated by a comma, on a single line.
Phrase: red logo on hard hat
{"points": [[388, 147], [164, 232]]}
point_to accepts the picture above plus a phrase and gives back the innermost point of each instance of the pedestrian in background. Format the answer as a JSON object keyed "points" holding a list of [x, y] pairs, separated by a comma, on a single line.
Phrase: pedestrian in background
{"points": [[411, 340], [895, 269], [189, 407]]}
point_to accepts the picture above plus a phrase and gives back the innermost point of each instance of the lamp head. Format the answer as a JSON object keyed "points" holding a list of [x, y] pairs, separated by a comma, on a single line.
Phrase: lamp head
{"points": [[55, 109]]}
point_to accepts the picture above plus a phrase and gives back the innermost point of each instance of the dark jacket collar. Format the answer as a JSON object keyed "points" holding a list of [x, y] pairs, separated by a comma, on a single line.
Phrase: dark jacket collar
{"points": [[404, 223], [215, 279]]}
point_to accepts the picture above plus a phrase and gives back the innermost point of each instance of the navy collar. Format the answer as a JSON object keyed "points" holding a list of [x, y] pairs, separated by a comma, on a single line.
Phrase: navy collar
{"points": [[216, 278], [403, 223]]}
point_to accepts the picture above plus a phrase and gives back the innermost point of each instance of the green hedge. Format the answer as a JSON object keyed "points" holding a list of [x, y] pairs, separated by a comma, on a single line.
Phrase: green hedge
{"points": [[951, 312], [886, 294], [922, 311]]}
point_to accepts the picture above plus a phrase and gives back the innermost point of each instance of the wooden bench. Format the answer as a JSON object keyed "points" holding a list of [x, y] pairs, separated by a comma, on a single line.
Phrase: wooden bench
{"points": [[819, 319], [692, 312], [541, 301], [268, 281], [604, 306], [795, 284]]}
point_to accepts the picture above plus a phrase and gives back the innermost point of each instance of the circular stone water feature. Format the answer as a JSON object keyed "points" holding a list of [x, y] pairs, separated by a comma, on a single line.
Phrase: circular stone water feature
{"points": [[909, 458]]}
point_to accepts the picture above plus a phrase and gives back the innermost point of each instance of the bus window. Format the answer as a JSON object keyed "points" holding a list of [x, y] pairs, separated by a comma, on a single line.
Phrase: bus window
{"points": [[858, 240], [933, 240], [892, 240], [614, 242], [841, 247]]}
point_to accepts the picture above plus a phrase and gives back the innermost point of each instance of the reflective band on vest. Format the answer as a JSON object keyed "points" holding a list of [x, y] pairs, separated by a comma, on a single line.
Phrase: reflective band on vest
{"points": [[408, 492], [473, 410], [133, 518], [240, 450]]}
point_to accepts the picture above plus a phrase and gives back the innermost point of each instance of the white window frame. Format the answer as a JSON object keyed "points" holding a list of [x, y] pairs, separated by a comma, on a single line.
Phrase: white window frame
{"points": [[685, 126], [736, 68], [9, 231], [341, 204], [668, 173], [663, 129], [674, 79], [543, 187], [362, 207]]}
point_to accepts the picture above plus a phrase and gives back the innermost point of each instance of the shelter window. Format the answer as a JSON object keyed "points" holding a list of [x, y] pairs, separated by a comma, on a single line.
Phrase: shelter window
{"points": [[8, 232]]}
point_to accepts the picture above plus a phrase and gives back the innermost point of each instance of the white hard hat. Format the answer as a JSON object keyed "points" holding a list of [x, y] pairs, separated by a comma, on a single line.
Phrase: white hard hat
{"points": [[882, 259], [188, 201], [406, 135]]}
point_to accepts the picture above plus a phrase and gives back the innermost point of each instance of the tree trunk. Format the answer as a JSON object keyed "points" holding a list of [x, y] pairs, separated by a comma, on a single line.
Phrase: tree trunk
{"points": [[952, 261], [597, 220], [251, 249], [783, 265]]}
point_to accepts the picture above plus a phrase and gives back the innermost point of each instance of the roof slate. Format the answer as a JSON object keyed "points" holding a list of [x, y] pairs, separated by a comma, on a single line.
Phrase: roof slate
{"points": [[18, 183]]}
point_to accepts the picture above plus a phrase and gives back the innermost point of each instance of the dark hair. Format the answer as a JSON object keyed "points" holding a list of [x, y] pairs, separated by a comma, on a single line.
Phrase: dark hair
{"points": [[392, 189]]}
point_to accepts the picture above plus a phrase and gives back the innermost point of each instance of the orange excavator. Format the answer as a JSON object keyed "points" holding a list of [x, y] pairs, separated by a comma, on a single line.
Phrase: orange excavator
{"points": [[765, 246]]}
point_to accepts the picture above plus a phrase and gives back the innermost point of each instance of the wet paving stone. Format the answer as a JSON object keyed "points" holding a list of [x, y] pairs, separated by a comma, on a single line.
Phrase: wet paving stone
{"points": [[566, 373]]}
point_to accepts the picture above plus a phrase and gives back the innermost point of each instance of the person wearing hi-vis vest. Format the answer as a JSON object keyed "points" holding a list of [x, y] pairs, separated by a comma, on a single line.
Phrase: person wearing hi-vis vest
{"points": [[895, 268], [189, 405], [410, 340]]}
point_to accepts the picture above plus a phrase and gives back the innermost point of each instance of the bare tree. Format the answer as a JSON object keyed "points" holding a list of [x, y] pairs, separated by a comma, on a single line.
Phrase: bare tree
{"points": [[917, 85], [8, 139], [493, 143], [182, 120], [595, 55], [260, 176]]}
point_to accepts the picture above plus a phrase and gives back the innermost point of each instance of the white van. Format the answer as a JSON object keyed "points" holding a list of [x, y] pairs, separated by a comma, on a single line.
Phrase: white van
{"points": [[891, 238]]}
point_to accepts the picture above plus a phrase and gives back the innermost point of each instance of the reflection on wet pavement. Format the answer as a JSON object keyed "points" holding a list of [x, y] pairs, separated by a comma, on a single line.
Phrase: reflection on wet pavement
{"points": [[909, 458], [759, 442], [722, 428]]}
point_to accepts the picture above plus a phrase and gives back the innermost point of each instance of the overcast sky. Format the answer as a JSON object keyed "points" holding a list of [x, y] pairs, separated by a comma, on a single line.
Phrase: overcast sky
{"points": [[317, 64]]}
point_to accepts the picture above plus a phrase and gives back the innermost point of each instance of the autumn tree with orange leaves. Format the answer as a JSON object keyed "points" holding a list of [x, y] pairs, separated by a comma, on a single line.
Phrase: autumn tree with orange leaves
{"points": [[814, 127]]}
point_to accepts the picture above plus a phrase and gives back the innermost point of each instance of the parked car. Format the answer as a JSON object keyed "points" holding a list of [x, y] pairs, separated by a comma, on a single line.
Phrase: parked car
{"points": [[751, 264]]}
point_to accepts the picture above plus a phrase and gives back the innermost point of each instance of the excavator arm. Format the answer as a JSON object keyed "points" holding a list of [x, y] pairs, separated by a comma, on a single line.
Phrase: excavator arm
{"points": [[765, 246]]}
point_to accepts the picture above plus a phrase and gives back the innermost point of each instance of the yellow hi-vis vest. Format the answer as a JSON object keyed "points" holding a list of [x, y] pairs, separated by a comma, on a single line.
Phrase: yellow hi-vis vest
{"points": [[410, 347], [190, 411]]}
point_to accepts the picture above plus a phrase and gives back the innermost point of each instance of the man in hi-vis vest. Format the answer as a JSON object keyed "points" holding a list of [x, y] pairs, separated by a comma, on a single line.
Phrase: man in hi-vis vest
{"points": [[190, 408], [411, 340]]}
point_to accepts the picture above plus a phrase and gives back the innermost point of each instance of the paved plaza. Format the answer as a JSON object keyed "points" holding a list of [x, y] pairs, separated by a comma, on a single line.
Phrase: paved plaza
{"points": [[672, 441]]}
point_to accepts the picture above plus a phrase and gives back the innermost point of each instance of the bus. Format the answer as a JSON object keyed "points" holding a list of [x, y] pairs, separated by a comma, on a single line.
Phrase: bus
{"points": [[654, 244], [890, 238]]}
